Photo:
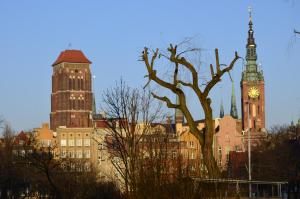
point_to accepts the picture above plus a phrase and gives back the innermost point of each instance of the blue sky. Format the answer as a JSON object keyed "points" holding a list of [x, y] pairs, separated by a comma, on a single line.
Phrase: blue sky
{"points": [[112, 34]]}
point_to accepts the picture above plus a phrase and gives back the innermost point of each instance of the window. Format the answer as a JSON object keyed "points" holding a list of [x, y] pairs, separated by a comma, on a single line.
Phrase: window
{"points": [[87, 142], [174, 154], [86, 154], [192, 156], [45, 143], [70, 83], [87, 166], [71, 142], [253, 110], [220, 155], [237, 148], [79, 142], [227, 153], [22, 153], [79, 154], [63, 142], [192, 144], [63, 154], [72, 166], [72, 154]]}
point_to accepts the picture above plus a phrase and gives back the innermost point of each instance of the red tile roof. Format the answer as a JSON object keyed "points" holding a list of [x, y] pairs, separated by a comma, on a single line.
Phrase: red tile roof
{"points": [[22, 137], [72, 56]]}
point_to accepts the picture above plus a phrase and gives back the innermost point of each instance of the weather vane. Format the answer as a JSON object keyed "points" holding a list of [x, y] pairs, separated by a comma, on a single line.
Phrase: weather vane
{"points": [[250, 12], [70, 45]]}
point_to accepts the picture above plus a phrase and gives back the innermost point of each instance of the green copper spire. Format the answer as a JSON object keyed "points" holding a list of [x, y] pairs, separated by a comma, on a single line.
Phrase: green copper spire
{"points": [[94, 105], [221, 109], [251, 73], [233, 109]]}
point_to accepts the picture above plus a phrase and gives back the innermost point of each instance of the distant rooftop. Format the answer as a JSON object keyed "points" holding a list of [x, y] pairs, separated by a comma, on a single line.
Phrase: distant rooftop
{"points": [[71, 56]]}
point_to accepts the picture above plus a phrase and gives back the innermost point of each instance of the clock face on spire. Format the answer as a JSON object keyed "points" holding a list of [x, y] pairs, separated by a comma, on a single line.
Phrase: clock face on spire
{"points": [[253, 92]]}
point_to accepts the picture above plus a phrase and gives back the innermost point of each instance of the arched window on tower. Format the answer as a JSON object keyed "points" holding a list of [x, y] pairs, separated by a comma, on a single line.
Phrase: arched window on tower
{"points": [[81, 82], [70, 83], [73, 83]]}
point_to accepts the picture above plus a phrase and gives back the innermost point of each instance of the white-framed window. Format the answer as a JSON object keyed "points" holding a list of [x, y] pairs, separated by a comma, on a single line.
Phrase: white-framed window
{"points": [[87, 166], [86, 154], [71, 142], [63, 142], [192, 144], [79, 142], [79, 154], [63, 154], [87, 142]]}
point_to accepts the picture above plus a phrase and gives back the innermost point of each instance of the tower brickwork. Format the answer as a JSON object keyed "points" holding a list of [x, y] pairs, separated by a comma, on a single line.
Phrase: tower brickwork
{"points": [[71, 97], [252, 88]]}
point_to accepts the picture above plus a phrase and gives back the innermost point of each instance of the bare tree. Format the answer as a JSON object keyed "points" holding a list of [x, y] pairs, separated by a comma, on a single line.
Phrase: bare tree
{"points": [[130, 113], [177, 58]]}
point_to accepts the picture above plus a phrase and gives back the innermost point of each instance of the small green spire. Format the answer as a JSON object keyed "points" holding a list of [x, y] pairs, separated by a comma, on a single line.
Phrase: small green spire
{"points": [[94, 111], [233, 109], [221, 109]]}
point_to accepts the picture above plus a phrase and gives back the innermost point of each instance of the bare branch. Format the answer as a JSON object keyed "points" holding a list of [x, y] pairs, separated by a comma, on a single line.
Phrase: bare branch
{"points": [[218, 76], [167, 100]]}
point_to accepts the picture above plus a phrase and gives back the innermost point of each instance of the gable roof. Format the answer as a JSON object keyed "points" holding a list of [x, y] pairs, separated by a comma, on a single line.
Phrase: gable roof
{"points": [[72, 56]]}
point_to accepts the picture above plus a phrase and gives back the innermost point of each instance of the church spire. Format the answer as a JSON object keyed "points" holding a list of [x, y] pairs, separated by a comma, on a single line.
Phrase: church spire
{"points": [[233, 108], [251, 46], [221, 109], [251, 72]]}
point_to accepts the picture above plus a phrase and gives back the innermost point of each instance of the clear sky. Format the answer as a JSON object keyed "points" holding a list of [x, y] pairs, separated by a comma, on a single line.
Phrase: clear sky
{"points": [[112, 35]]}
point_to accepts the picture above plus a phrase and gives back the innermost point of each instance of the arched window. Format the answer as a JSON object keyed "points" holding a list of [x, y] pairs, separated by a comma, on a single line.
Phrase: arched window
{"points": [[70, 83], [81, 83]]}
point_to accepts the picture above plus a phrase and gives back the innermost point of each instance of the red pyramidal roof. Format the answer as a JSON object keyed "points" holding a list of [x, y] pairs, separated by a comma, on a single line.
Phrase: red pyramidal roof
{"points": [[72, 56]]}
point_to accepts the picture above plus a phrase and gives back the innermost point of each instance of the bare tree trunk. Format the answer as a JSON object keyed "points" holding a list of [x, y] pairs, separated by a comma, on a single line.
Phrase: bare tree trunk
{"points": [[205, 138]]}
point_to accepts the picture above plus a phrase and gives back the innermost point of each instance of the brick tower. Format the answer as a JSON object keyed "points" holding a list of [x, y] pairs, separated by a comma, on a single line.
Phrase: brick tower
{"points": [[252, 88], [71, 97]]}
